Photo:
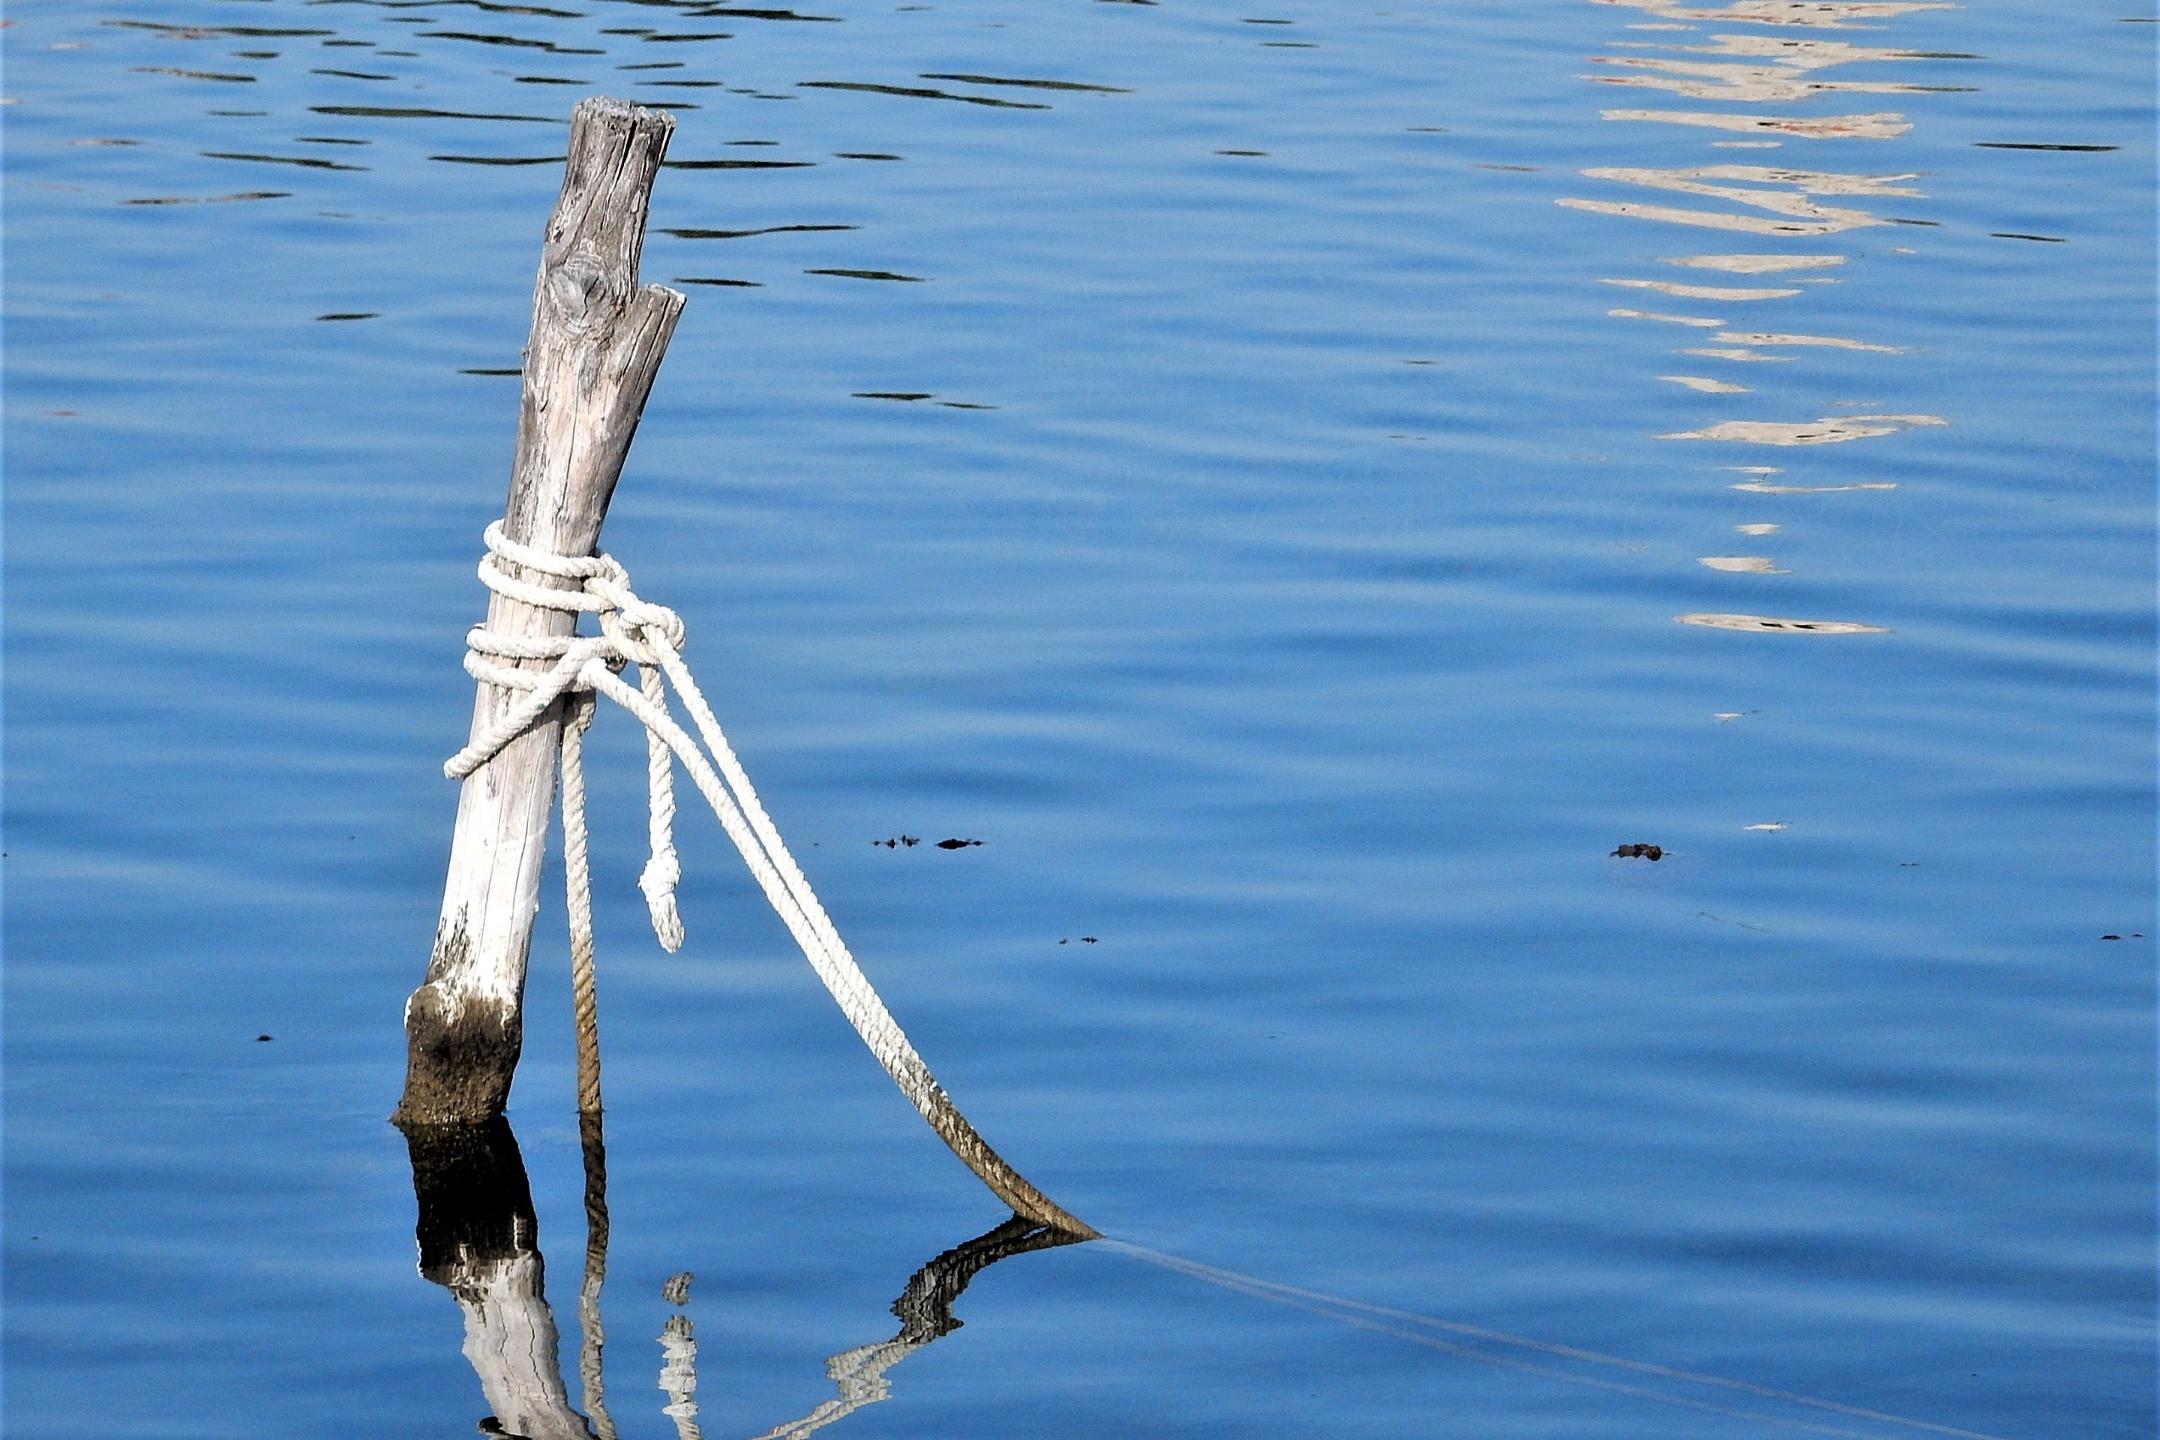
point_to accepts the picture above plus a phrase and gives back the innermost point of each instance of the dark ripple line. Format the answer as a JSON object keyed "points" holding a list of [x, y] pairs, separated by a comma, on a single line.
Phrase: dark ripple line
{"points": [[220, 75], [1024, 84], [210, 199], [500, 159], [692, 232], [512, 41], [2034, 145], [309, 161], [491, 6], [255, 32], [734, 164], [916, 92], [404, 112], [722, 13]]}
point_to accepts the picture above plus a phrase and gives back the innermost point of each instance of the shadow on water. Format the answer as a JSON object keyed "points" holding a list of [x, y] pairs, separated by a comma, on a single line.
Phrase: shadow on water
{"points": [[479, 1239]]}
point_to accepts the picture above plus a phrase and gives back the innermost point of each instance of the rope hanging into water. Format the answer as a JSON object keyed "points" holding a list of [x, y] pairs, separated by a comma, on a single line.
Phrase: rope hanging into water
{"points": [[634, 631]]}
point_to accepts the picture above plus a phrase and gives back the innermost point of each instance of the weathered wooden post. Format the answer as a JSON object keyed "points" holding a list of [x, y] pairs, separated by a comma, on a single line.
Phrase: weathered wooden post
{"points": [[597, 341]]}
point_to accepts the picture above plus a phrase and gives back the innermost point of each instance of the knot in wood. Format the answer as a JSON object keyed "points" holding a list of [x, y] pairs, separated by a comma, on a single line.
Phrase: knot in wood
{"points": [[585, 292]]}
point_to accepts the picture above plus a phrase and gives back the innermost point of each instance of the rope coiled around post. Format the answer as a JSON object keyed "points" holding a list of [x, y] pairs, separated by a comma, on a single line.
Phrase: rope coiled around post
{"points": [[634, 631]]}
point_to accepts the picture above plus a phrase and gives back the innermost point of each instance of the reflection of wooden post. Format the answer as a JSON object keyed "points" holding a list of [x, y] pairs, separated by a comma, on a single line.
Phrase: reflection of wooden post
{"points": [[478, 1239], [597, 340]]}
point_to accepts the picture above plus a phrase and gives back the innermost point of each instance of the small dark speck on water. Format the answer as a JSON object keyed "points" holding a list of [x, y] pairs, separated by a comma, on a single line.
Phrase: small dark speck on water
{"points": [[1644, 852], [950, 844], [350, 315], [259, 1039], [896, 841]]}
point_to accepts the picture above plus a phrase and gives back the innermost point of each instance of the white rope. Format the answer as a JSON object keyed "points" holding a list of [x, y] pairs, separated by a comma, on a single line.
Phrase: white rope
{"points": [[633, 631]]}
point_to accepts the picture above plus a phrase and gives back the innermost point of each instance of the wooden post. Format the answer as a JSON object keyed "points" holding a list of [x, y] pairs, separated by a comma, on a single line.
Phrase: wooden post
{"points": [[597, 341]]}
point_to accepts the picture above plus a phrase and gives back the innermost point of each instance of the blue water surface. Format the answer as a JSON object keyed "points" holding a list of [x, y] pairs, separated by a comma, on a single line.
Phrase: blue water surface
{"points": [[1302, 485]]}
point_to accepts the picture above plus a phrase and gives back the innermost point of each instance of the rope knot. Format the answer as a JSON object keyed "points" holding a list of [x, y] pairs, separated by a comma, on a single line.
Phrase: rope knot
{"points": [[633, 626], [633, 631]]}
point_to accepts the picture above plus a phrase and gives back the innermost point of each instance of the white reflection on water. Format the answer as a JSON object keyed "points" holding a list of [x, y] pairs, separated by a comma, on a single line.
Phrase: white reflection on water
{"points": [[1829, 14], [1706, 292], [1773, 625], [1825, 127], [1753, 68], [1699, 322], [1827, 342], [1756, 264], [1830, 430], [1787, 194]]}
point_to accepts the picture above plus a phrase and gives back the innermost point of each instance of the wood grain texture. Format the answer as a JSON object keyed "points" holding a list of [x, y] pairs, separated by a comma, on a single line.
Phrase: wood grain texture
{"points": [[596, 343]]}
